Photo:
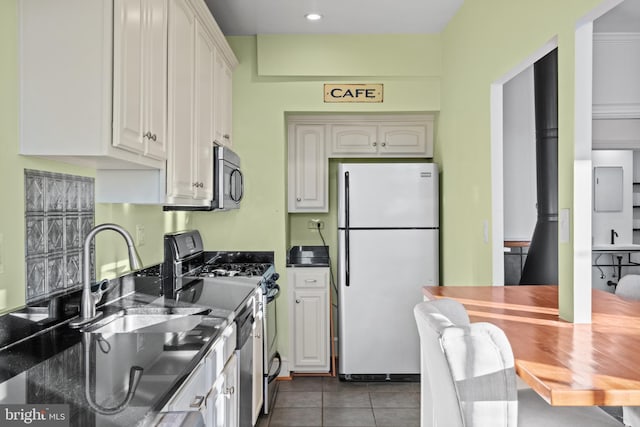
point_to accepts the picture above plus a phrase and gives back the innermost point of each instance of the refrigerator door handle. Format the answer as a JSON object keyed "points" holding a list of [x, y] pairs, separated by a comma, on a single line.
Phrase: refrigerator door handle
{"points": [[346, 227]]}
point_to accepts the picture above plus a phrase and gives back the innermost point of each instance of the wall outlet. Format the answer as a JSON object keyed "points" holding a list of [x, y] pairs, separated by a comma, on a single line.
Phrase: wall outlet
{"points": [[313, 224], [140, 237]]}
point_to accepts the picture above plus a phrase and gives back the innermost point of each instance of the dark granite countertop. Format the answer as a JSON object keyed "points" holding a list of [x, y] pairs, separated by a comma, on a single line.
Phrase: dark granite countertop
{"points": [[48, 363]]}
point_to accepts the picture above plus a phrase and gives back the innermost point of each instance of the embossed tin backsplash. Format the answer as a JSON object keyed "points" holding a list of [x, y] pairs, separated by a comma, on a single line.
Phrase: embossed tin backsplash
{"points": [[59, 213]]}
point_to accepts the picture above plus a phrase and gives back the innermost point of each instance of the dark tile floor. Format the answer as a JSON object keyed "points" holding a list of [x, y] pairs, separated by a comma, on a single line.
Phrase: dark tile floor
{"points": [[326, 401]]}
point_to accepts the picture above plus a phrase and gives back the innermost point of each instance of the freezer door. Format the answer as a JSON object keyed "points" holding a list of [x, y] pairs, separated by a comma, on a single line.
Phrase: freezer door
{"points": [[377, 331], [389, 194]]}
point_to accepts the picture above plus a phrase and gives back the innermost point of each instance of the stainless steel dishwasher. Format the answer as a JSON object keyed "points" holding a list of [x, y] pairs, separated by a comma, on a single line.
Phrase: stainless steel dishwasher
{"points": [[244, 322]]}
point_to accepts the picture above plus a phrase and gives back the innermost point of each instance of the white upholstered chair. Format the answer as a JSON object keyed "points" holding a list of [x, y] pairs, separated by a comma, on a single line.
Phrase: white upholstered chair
{"points": [[629, 287], [468, 377]]}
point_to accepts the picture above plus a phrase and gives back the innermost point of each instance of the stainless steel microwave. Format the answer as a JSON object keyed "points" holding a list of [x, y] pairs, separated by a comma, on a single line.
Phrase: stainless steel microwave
{"points": [[228, 183]]}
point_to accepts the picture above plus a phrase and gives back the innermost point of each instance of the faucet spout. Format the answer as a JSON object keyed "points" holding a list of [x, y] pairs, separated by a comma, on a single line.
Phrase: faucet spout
{"points": [[88, 303], [614, 234]]}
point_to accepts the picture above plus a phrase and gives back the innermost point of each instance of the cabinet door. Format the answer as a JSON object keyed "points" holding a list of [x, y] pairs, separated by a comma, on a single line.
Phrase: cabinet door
{"points": [[180, 177], [128, 66], [353, 139], [308, 169], [311, 326], [258, 367], [155, 78], [204, 97], [231, 392], [192, 395], [403, 139], [222, 111]]}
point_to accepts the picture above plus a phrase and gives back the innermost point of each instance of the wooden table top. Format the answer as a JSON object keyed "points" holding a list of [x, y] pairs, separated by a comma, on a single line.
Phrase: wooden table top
{"points": [[566, 363]]}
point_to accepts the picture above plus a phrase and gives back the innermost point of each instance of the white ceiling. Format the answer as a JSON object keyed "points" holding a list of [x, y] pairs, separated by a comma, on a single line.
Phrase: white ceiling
{"points": [[623, 18], [249, 17]]}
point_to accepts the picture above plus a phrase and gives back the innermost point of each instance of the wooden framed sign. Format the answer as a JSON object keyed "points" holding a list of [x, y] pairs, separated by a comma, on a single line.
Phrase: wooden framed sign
{"points": [[353, 92]]}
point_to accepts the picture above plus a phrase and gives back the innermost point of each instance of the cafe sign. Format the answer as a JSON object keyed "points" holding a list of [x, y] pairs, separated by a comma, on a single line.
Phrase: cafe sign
{"points": [[353, 92]]}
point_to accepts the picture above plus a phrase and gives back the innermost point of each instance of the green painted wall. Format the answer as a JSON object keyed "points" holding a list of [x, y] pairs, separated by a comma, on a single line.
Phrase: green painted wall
{"points": [[483, 42], [110, 254]]}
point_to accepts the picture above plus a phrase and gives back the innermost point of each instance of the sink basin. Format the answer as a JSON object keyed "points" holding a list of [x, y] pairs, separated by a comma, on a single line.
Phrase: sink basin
{"points": [[144, 323]]}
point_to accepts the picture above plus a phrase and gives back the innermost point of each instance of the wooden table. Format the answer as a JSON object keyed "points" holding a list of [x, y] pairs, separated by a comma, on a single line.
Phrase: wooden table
{"points": [[566, 363]]}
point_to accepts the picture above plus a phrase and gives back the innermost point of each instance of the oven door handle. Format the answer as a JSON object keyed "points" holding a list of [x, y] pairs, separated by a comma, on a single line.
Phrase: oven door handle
{"points": [[273, 376]]}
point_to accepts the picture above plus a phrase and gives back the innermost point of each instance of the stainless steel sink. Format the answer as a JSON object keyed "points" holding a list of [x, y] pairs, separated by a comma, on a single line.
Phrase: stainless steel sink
{"points": [[157, 310], [144, 323], [34, 314]]}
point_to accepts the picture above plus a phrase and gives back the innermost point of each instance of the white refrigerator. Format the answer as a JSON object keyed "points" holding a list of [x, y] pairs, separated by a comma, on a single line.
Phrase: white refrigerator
{"points": [[387, 250]]}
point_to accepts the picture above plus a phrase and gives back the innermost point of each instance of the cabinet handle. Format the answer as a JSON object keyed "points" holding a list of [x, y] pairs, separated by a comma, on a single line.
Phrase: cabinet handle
{"points": [[147, 135], [298, 199], [196, 402], [310, 281], [384, 144], [228, 392], [375, 143], [153, 137], [226, 136], [257, 335], [297, 301]]}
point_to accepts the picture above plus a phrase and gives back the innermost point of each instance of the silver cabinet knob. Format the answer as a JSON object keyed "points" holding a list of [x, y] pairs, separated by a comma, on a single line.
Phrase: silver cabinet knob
{"points": [[298, 199], [226, 136], [151, 136], [384, 144], [297, 301], [196, 402], [229, 391], [375, 143]]}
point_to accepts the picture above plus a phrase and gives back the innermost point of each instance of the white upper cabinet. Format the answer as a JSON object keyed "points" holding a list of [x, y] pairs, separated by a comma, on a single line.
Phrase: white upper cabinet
{"points": [[616, 67], [411, 139], [140, 76], [86, 66], [312, 140], [204, 120], [354, 139], [126, 87], [308, 168], [223, 89], [196, 105], [180, 170]]}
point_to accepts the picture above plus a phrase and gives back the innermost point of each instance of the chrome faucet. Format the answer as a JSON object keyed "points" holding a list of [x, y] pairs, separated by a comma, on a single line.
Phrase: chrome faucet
{"points": [[89, 300], [613, 236]]}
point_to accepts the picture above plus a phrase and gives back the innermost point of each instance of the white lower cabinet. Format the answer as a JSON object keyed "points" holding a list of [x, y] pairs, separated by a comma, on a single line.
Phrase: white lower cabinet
{"points": [[223, 400], [309, 319], [212, 386], [258, 368], [192, 395]]}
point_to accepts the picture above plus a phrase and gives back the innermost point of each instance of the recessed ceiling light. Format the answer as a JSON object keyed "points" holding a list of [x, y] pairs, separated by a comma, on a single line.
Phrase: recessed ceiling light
{"points": [[313, 16]]}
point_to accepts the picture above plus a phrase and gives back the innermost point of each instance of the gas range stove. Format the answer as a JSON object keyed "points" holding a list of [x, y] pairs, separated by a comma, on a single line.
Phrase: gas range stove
{"points": [[228, 269]]}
